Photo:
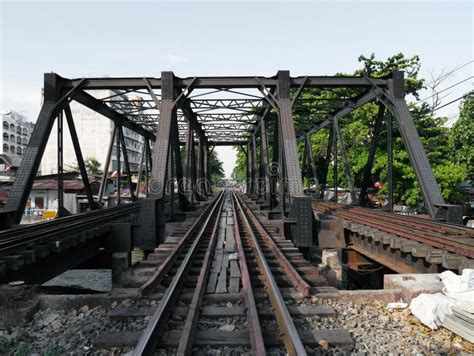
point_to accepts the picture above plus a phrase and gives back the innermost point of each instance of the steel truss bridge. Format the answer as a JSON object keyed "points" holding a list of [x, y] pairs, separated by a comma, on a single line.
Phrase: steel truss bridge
{"points": [[200, 113]]}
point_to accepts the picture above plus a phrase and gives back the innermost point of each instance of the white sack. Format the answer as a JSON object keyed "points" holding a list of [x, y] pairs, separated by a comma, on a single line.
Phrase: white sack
{"points": [[431, 309], [460, 288]]}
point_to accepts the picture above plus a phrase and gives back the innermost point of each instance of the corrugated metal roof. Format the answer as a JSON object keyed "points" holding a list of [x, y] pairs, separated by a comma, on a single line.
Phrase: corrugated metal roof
{"points": [[53, 184]]}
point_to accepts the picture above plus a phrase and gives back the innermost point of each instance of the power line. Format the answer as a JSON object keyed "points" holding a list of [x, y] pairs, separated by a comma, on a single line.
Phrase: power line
{"points": [[454, 70], [453, 101], [443, 90]]}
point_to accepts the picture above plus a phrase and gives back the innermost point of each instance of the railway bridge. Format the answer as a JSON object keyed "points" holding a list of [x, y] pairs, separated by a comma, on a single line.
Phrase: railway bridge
{"points": [[190, 231]]}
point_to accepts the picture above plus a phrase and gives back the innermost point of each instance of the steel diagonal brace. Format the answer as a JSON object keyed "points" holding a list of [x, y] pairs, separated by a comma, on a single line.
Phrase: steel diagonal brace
{"points": [[416, 152], [185, 93], [21, 188], [268, 95], [353, 104], [298, 92]]}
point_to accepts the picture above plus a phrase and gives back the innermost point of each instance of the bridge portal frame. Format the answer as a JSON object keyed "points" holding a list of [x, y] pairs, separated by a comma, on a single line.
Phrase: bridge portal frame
{"points": [[276, 188]]}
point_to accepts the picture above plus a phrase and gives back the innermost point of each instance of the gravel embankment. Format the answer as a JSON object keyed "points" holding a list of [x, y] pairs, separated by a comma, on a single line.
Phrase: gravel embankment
{"points": [[375, 330]]}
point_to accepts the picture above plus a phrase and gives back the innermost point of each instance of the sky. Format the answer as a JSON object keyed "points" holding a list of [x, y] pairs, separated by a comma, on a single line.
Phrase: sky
{"points": [[192, 38]]}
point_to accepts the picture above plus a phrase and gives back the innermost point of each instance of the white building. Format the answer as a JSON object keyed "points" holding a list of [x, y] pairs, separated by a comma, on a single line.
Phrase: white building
{"points": [[16, 133], [94, 132]]}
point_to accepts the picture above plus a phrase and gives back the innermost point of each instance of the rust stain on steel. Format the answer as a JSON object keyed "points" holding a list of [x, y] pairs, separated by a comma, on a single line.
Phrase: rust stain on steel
{"points": [[149, 337], [398, 229], [150, 285], [187, 336], [290, 335], [255, 332], [289, 270]]}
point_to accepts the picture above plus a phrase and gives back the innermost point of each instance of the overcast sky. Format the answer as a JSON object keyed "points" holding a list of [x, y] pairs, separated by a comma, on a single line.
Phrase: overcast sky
{"points": [[77, 39]]}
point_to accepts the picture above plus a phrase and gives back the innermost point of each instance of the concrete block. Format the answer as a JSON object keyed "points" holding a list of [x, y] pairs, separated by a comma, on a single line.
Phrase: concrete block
{"points": [[96, 280], [412, 285]]}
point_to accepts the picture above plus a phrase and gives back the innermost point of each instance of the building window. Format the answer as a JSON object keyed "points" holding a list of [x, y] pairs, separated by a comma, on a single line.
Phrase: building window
{"points": [[25, 131], [25, 141], [5, 136], [5, 125], [39, 202], [12, 127], [12, 138], [18, 130], [12, 149], [18, 140], [5, 148], [18, 151]]}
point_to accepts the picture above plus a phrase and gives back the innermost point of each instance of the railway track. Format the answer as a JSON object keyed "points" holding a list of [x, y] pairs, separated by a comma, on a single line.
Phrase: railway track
{"points": [[26, 245], [451, 238], [230, 283], [436, 242]]}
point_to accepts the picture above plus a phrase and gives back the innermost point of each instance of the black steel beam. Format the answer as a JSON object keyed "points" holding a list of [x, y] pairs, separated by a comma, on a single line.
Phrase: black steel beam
{"points": [[103, 109], [79, 157], [225, 82], [370, 160]]}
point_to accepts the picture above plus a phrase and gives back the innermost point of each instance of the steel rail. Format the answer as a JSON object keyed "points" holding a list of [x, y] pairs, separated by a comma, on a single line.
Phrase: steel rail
{"points": [[417, 223], [298, 282], [290, 335], [187, 336], [436, 241], [253, 322], [160, 273], [420, 226], [149, 338]]}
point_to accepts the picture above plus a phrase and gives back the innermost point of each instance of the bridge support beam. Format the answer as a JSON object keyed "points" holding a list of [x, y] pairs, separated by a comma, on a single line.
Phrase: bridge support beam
{"points": [[265, 169], [377, 127], [394, 101], [167, 145], [309, 166], [300, 215], [18, 195]]}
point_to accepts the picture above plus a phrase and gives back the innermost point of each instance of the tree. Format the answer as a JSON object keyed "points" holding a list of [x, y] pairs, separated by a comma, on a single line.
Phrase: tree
{"points": [[91, 163], [357, 129], [216, 167], [462, 136], [239, 173]]}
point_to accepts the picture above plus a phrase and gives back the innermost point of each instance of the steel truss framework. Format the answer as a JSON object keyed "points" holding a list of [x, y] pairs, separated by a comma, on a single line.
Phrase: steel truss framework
{"points": [[203, 112]]}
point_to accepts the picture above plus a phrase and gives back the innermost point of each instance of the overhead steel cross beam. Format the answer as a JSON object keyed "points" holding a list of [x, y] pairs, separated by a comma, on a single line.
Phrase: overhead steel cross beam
{"points": [[230, 82]]}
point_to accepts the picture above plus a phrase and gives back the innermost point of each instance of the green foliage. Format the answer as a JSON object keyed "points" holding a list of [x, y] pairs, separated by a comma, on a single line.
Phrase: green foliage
{"points": [[91, 163], [450, 151], [461, 137], [377, 69], [239, 173], [216, 167], [357, 132]]}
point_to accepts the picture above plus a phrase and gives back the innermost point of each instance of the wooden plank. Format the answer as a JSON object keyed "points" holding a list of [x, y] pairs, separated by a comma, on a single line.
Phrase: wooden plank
{"points": [[220, 239], [217, 263], [463, 314], [234, 269], [225, 261], [222, 312], [318, 281], [459, 328], [211, 283], [221, 282], [335, 337], [117, 339], [234, 285], [230, 240]]}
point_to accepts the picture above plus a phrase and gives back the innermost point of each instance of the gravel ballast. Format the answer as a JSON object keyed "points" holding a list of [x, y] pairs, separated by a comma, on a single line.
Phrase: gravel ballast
{"points": [[374, 329]]}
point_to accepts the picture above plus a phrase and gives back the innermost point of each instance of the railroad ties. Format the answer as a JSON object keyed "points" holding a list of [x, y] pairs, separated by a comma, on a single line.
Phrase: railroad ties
{"points": [[402, 243], [226, 280]]}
